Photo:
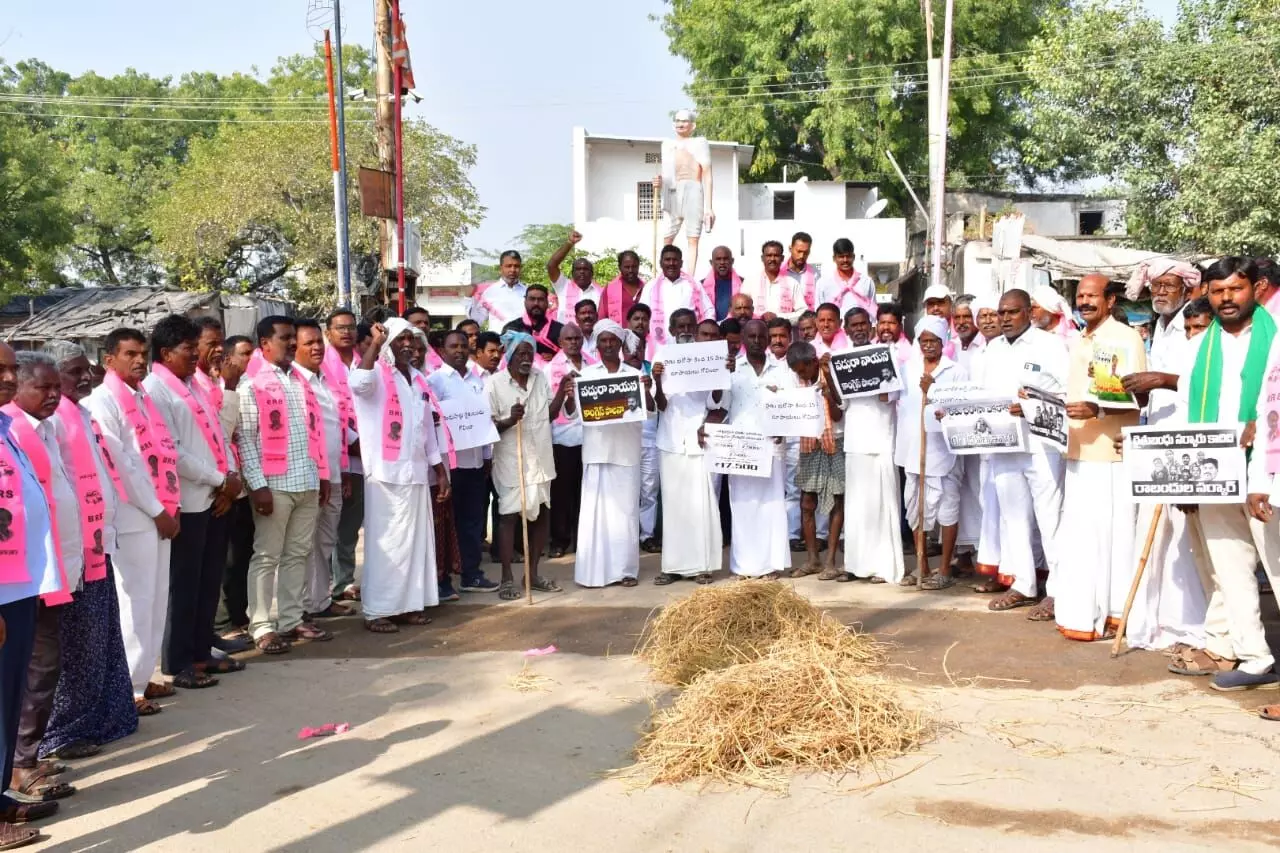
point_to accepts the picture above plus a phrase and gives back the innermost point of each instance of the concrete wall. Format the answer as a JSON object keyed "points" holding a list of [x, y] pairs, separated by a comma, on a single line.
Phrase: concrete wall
{"points": [[614, 167], [1048, 218]]}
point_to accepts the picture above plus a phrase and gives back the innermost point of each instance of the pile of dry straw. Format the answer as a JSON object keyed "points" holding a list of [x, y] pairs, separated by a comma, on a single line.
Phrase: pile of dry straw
{"points": [[772, 686]]}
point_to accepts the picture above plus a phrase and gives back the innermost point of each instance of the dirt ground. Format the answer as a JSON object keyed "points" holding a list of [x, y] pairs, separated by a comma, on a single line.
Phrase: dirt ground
{"points": [[1044, 744]]}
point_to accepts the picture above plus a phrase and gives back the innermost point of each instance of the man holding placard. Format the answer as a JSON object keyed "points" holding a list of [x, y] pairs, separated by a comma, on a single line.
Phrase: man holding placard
{"points": [[1232, 380], [1027, 494], [608, 551], [1098, 515], [469, 467], [873, 506], [820, 473], [692, 542], [758, 546]]}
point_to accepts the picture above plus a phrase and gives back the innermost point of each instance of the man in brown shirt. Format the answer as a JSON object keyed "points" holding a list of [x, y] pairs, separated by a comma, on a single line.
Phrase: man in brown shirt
{"points": [[1096, 535]]}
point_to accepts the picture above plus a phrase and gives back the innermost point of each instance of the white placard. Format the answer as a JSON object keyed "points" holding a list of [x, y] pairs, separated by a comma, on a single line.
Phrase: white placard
{"points": [[470, 422], [793, 413], [982, 425], [1196, 464], [694, 367], [742, 452]]}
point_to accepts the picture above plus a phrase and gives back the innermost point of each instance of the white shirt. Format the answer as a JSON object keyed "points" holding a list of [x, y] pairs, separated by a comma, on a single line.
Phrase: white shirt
{"points": [[333, 428], [675, 295], [498, 305], [767, 295], [66, 506], [418, 448], [938, 460], [568, 311], [1037, 359], [539, 459], [831, 286], [747, 391], [1168, 351], [448, 385], [678, 423], [1234, 350], [122, 443], [198, 472], [612, 444], [109, 497]]}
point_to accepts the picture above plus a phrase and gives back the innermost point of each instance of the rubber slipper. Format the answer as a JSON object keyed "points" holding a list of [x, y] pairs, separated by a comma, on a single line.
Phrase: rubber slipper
{"points": [[1270, 712], [13, 837]]}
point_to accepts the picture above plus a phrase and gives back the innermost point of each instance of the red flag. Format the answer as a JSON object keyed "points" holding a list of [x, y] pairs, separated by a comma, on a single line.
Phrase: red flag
{"points": [[400, 55]]}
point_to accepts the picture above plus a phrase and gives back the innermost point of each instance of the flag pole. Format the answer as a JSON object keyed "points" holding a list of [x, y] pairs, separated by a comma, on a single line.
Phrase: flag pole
{"points": [[397, 89]]}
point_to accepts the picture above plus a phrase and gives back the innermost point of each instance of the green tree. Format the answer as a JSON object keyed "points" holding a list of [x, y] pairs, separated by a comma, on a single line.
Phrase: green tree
{"points": [[537, 243], [826, 86], [1187, 123], [34, 223]]}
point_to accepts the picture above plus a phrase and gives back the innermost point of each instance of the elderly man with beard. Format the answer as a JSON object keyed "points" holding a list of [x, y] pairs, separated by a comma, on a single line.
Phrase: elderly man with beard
{"points": [[521, 395], [36, 401], [395, 417], [93, 703], [28, 568], [1098, 515], [608, 552], [208, 488], [1169, 609]]}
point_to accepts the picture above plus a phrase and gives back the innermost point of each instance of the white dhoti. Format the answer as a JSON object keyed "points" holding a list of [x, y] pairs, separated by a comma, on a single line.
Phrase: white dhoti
{"points": [[1095, 541], [536, 496], [941, 501], [608, 550], [792, 489], [691, 540], [316, 596], [760, 543], [989, 531], [141, 571], [399, 550], [1028, 488], [1173, 594], [872, 516], [970, 531]]}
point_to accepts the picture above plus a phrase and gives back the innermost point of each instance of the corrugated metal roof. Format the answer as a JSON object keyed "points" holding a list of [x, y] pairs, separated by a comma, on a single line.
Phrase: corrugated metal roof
{"points": [[95, 312]]}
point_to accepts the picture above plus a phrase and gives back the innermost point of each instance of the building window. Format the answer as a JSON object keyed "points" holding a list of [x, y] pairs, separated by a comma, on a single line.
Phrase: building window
{"points": [[644, 201], [653, 158], [784, 205], [1090, 222]]}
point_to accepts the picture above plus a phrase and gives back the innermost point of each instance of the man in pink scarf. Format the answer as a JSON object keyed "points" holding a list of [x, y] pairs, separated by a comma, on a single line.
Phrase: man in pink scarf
{"points": [[535, 323], [566, 293], [722, 283]]}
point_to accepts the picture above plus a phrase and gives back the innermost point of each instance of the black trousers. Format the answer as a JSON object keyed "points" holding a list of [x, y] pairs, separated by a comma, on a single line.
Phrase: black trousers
{"points": [[235, 574], [349, 523], [42, 682], [15, 656], [470, 494], [196, 570], [566, 495]]}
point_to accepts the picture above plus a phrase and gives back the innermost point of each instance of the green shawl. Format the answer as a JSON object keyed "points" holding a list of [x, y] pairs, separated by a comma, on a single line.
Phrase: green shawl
{"points": [[1206, 376]]}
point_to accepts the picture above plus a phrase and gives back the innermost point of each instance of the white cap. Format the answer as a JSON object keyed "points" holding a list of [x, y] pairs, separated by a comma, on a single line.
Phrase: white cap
{"points": [[683, 115], [937, 291]]}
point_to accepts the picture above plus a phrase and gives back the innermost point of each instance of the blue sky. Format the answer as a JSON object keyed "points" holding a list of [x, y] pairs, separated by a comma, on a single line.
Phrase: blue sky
{"points": [[511, 77]]}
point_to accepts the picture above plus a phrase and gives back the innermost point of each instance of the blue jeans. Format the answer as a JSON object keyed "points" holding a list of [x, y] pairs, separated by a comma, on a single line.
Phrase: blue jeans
{"points": [[470, 496]]}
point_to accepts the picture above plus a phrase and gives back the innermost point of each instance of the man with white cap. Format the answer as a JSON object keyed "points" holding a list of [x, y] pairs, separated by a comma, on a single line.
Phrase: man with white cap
{"points": [[1050, 312], [929, 366], [1169, 609], [608, 551], [686, 185], [1097, 513], [396, 426], [1027, 486]]}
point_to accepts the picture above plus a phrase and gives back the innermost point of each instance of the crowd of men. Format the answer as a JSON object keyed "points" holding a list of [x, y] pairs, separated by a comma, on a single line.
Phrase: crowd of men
{"points": [[192, 496]]}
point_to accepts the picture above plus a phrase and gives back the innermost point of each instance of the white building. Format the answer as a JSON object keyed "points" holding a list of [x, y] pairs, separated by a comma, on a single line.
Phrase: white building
{"points": [[613, 208]]}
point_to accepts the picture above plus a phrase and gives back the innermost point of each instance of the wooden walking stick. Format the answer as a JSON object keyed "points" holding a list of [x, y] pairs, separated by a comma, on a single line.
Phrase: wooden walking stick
{"points": [[524, 519], [922, 555], [1137, 579]]}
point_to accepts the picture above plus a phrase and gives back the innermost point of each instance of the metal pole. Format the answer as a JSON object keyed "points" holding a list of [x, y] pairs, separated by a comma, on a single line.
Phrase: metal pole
{"points": [[344, 232], [915, 198], [397, 84], [939, 203], [335, 164]]}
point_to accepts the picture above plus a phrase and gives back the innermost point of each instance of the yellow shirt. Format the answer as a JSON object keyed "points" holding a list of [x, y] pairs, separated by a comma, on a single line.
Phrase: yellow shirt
{"points": [[1093, 440]]}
